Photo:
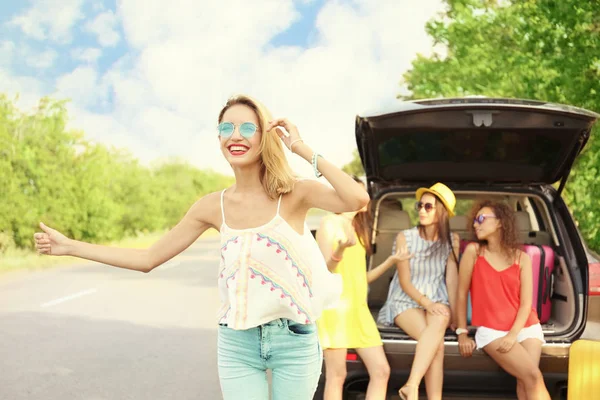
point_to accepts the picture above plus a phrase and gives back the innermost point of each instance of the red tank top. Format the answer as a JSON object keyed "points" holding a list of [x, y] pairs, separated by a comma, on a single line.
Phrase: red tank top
{"points": [[496, 296]]}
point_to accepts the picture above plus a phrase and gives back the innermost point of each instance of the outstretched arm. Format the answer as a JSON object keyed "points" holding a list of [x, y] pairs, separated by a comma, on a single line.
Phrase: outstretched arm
{"points": [[193, 224]]}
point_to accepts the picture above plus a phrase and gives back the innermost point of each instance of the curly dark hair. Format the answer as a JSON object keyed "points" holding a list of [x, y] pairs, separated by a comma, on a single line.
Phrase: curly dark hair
{"points": [[506, 216]]}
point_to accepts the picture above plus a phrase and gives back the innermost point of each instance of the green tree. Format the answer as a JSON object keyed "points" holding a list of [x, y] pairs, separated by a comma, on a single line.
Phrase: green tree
{"points": [[89, 191], [535, 49], [354, 167]]}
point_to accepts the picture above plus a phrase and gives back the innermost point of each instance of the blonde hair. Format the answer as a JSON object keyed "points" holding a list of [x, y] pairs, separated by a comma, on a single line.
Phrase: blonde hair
{"points": [[276, 175]]}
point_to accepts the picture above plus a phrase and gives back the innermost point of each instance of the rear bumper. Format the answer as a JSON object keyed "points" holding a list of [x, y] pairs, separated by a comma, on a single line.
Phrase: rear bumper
{"points": [[477, 374], [555, 357]]}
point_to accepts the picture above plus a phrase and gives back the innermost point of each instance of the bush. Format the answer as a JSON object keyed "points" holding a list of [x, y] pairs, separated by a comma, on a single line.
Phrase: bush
{"points": [[88, 191]]}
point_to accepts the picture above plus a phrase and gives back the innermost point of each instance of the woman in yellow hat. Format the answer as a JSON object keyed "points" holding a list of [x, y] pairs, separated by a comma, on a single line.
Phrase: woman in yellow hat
{"points": [[345, 239], [424, 288]]}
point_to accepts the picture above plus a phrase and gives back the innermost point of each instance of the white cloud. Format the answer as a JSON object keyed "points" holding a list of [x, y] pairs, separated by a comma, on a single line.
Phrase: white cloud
{"points": [[104, 27], [26, 90], [234, 23], [87, 55], [82, 86], [188, 58], [42, 60], [49, 19]]}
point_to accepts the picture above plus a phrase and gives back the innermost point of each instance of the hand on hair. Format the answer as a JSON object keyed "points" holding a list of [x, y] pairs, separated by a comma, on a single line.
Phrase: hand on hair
{"points": [[289, 134]]}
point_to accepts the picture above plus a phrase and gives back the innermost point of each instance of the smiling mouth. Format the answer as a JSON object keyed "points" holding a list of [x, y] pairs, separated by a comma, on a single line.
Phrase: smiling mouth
{"points": [[237, 150]]}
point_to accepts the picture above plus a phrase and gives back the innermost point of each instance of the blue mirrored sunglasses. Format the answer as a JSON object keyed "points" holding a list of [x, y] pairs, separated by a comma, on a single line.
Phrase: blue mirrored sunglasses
{"points": [[246, 129], [480, 219]]}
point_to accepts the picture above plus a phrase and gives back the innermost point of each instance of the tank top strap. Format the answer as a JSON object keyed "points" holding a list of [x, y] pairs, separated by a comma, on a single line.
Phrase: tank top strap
{"points": [[222, 208], [279, 204]]}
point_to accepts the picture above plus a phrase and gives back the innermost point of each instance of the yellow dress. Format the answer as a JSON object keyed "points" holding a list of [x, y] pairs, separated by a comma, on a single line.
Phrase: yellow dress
{"points": [[350, 325]]}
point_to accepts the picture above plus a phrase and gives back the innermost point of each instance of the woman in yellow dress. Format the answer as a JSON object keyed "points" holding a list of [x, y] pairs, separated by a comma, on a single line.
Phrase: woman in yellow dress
{"points": [[344, 240]]}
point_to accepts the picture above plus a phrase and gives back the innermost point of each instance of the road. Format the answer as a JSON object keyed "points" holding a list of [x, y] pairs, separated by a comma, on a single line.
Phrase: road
{"points": [[98, 333]]}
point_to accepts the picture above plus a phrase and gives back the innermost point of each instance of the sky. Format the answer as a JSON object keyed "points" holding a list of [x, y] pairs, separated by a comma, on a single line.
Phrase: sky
{"points": [[152, 75]]}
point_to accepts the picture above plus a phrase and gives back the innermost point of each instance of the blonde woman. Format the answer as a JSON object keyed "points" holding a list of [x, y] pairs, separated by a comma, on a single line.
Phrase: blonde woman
{"points": [[272, 279]]}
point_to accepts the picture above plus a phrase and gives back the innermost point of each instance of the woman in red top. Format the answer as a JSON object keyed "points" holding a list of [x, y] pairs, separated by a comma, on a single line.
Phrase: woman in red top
{"points": [[499, 276]]}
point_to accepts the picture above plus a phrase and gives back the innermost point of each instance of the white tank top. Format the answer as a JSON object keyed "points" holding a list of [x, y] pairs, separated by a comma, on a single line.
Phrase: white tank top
{"points": [[271, 272]]}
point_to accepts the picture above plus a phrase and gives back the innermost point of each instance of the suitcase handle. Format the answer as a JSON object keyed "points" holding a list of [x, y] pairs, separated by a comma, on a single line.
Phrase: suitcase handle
{"points": [[547, 281]]}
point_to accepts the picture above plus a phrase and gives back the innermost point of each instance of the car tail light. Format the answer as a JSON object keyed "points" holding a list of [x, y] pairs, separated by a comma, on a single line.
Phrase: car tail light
{"points": [[594, 270], [351, 357]]}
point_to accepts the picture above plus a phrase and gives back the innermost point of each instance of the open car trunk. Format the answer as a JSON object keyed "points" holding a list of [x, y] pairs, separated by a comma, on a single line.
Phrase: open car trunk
{"points": [[495, 145]]}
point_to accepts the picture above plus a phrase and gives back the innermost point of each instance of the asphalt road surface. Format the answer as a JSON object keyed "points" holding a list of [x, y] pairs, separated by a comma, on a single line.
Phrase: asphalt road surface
{"points": [[98, 333]]}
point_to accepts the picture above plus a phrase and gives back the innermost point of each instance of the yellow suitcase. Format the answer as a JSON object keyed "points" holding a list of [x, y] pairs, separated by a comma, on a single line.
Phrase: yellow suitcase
{"points": [[584, 370]]}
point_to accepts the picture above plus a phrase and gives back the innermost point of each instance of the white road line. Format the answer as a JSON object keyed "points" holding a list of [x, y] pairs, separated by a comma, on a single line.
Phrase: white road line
{"points": [[67, 298]]}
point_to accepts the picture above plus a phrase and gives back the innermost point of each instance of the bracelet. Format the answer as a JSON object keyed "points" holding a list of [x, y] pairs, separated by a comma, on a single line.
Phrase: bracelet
{"points": [[294, 142], [334, 258], [314, 164], [421, 298]]}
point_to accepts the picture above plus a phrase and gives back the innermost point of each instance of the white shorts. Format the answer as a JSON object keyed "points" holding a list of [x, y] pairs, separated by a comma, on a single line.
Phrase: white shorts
{"points": [[485, 336]]}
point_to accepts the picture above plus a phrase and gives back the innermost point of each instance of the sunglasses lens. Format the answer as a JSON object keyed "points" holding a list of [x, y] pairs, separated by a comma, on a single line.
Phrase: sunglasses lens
{"points": [[247, 129], [428, 206], [226, 129]]}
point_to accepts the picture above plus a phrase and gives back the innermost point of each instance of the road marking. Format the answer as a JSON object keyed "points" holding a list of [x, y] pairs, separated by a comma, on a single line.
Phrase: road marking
{"points": [[70, 297]]}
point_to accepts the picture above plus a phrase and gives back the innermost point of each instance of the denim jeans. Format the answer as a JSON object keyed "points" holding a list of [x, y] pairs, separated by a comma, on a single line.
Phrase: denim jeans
{"points": [[289, 349]]}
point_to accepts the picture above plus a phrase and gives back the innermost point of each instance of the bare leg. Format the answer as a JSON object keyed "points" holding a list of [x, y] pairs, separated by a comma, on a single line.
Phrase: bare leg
{"points": [[434, 377], [518, 362], [335, 373], [428, 342], [534, 348], [379, 371]]}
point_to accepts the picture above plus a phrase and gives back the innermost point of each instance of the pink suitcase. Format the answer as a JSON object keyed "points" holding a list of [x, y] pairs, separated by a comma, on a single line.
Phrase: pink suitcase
{"points": [[542, 262]]}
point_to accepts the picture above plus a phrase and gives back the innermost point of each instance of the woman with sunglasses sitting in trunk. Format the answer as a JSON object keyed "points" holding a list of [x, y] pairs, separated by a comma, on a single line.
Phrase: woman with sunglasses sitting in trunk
{"points": [[499, 276], [272, 278], [423, 289]]}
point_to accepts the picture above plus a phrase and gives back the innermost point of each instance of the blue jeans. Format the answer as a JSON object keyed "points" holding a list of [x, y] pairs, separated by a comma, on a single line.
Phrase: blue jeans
{"points": [[289, 349]]}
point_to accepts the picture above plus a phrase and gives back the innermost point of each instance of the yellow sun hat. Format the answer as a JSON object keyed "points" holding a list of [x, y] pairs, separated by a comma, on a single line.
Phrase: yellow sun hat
{"points": [[443, 193]]}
